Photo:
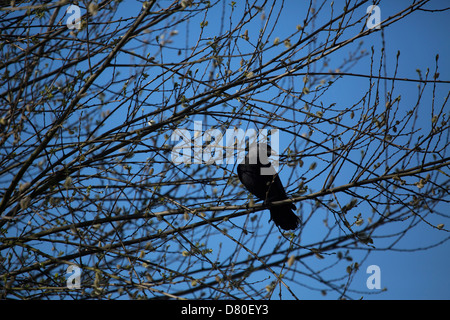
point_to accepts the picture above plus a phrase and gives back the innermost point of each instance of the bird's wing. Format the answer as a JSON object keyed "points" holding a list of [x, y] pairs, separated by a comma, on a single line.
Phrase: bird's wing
{"points": [[253, 181]]}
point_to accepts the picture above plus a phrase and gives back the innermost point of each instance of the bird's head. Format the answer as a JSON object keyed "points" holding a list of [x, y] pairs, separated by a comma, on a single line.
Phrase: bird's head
{"points": [[258, 154]]}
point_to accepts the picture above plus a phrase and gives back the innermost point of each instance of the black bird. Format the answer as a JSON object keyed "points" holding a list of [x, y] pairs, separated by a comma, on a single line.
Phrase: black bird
{"points": [[268, 186]]}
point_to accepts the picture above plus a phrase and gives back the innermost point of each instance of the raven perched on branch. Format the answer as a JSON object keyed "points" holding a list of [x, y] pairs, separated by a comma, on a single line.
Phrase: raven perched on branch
{"points": [[259, 177]]}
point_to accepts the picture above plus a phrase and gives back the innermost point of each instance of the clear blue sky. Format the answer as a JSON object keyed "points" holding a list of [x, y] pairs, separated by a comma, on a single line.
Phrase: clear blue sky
{"points": [[419, 37]]}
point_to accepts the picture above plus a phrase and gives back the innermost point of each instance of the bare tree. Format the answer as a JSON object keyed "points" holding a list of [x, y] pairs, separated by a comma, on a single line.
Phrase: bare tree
{"points": [[88, 108]]}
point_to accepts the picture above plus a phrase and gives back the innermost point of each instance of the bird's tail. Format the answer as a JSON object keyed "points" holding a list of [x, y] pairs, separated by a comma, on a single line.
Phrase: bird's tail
{"points": [[284, 216]]}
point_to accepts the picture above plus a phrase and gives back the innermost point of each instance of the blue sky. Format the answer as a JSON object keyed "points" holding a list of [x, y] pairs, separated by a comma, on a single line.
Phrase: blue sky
{"points": [[405, 272], [418, 37]]}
